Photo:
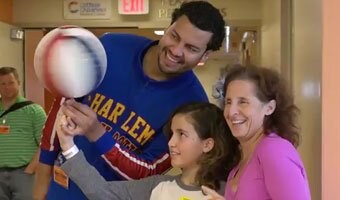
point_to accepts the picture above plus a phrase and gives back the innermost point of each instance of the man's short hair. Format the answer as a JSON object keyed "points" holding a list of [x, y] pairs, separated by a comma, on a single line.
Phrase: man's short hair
{"points": [[206, 17], [9, 70]]}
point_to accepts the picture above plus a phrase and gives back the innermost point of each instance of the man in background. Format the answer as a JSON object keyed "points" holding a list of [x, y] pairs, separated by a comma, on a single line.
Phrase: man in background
{"points": [[21, 124]]}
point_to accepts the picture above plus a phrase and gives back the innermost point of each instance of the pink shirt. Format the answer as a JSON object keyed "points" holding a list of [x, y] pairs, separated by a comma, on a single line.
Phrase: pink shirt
{"points": [[275, 172]]}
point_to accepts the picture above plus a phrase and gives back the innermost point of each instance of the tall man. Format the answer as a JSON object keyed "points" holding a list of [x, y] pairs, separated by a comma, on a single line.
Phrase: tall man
{"points": [[121, 121], [21, 124]]}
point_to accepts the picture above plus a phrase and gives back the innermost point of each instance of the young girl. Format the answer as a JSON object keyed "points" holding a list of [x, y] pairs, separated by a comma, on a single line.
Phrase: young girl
{"points": [[201, 144]]}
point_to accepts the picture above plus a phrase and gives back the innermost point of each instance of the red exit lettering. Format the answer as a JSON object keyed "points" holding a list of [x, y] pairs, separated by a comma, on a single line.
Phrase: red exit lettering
{"points": [[133, 6]]}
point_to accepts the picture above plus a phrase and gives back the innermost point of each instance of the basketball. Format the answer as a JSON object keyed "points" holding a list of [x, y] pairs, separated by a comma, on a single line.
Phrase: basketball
{"points": [[70, 61]]}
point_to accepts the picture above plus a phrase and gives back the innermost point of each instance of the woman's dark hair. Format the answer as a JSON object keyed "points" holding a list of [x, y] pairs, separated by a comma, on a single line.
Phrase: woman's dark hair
{"points": [[205, 17], [208, 121], [270, 86]]}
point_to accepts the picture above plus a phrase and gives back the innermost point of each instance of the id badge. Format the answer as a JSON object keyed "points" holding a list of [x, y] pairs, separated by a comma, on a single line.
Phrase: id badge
{"points": [[4, 127], [59, 175]]}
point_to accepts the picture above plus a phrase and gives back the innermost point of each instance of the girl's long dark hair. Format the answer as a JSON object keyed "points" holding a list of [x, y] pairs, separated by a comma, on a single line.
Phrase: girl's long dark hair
{"points": [[209, 122]]}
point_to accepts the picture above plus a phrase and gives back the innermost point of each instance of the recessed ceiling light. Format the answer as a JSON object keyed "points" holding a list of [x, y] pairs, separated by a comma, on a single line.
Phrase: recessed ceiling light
{"points": [[200, 64], [159, 32]]}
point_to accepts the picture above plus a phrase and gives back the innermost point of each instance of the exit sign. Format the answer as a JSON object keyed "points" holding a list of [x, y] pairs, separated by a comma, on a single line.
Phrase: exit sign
{"points": [[133, 7]]}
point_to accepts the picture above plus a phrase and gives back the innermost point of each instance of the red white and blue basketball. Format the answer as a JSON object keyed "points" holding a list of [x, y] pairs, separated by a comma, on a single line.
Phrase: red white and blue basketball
{"points": [[70, 61]]}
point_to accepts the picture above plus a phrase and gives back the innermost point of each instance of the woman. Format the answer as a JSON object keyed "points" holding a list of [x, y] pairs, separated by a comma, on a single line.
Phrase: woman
{"points": [[261, 114]]}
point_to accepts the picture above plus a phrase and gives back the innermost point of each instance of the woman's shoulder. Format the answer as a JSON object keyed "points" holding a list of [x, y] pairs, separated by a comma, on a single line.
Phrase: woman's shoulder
{"points": [[273, 146], [274, 140]]}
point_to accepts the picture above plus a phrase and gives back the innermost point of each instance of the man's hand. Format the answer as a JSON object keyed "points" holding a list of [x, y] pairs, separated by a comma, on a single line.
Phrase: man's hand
{"points": [[84, 118], [31, 167]]}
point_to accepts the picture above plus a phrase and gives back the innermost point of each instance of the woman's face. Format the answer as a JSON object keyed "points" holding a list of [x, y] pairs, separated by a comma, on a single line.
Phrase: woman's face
{"points": [[243, 110]]}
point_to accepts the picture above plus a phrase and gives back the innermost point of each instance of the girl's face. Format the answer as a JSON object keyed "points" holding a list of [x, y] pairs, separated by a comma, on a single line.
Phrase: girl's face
{"points": [[243, 110], [185, 145]]}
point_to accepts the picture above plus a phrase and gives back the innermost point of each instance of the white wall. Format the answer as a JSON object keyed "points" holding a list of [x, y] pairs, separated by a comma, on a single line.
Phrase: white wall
{"points": [[307, 62], [11, 51]]}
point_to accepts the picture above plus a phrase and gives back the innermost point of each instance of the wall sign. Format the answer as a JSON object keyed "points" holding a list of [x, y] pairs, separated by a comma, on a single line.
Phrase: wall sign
{"points": [[87, 9]]}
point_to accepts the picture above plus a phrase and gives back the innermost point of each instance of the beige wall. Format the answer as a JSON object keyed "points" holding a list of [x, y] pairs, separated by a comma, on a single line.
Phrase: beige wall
{"points": [[11, 50], [49, 13], [306, 85], [270, 34], [330, 101]]}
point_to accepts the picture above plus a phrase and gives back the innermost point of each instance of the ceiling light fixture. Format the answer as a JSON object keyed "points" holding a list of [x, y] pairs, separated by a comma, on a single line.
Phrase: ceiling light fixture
{"points": [[227, 39], [159, 32]]}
